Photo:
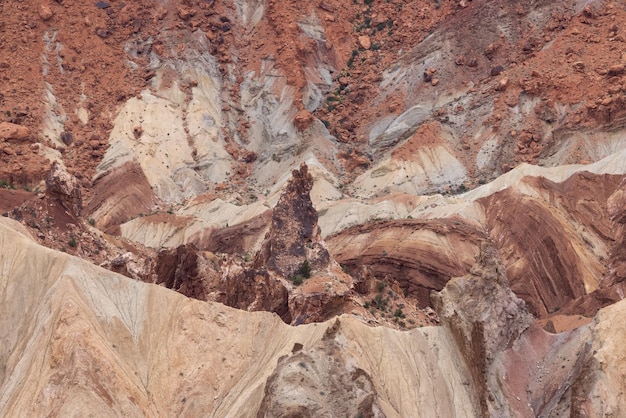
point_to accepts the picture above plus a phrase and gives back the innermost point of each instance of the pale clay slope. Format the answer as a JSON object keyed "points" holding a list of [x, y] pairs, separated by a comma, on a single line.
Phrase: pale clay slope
{"points": [[182, 149], [79, 340], [197, 216], [337, 214]]}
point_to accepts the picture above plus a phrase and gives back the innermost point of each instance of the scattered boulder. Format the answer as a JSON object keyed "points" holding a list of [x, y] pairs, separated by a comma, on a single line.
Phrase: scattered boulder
{"points": [[303, 120], [11, 132], [617, 69], [496, 70], [365, 42], [45, 12], [186, 13]]}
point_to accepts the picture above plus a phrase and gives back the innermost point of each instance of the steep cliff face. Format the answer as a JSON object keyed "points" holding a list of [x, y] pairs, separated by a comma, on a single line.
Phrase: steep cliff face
{"points": [[517, 368]]}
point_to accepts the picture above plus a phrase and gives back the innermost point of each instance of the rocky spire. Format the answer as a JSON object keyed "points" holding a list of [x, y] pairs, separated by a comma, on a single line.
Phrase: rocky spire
{"points": [[294, 235]]}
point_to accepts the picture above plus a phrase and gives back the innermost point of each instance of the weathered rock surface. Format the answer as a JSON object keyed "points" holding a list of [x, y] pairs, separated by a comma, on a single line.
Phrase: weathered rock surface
{"points": [[485, 318], [64, 321], [64, 187], [294, 236], [322, 381], [13, 132], [118, 196], [420, 256]]}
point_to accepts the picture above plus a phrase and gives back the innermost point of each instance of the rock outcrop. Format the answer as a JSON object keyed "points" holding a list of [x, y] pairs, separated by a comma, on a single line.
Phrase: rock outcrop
{"points": [[64, 187], [485, 318], [294, 236], [518, 369], [322, 381], [102, 343], [228, 280], [183, 269], [11, 132], [421, 256]]}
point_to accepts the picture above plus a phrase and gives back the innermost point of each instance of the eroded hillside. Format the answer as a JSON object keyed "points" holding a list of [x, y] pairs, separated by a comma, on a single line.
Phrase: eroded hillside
{"points": [[411, 189]]}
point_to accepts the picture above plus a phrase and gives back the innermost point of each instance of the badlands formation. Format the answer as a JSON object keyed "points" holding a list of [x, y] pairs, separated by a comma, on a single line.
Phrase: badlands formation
{"points": [[275, 208]]}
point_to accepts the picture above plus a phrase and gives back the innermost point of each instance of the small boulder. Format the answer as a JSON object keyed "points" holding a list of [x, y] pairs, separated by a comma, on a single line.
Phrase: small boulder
{"points": [[12, 132], [45, 12], [303, 120], [617, 69], [365, 42]]}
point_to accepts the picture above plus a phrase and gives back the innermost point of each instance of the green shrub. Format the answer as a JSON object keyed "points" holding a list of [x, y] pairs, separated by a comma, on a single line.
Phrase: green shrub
{"points": [[380, 302], [305, 269]]}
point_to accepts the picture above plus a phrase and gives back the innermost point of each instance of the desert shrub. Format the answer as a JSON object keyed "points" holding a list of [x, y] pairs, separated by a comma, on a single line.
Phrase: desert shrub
{"points": [[305, 269]]}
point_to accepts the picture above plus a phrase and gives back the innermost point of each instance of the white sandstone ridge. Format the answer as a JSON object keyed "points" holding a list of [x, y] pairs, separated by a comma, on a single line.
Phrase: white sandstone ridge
{"points": [[177, 143], [338, 215], [80, 340]]}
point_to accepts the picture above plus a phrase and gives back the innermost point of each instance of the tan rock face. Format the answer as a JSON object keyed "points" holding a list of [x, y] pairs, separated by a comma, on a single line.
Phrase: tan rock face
{"points": [[484, 316], [320, 382], [64, 321], [202, 100]]}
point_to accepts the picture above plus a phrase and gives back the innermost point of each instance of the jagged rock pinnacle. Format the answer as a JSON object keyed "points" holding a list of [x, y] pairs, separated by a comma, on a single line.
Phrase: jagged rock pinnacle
{"points": [[294, 235]]}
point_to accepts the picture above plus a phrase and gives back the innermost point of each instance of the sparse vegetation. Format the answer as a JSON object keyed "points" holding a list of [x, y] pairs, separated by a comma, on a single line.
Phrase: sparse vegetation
{"points": [[399, 314], [380, 302], [72, 242], [5, 184], [92, 221], [305, 269]]}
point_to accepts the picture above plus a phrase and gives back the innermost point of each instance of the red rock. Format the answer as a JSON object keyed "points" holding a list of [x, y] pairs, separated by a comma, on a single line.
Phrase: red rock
{"points": [[63, 186], [503, 84], [365, 42], [45, 13], [186, 13], [11, 131], [617, 69], [303, 120]]}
